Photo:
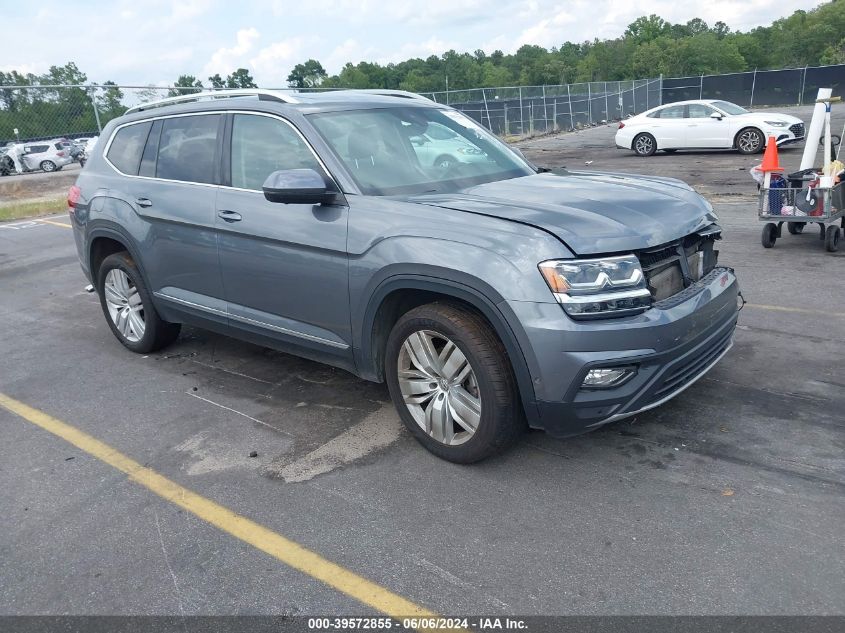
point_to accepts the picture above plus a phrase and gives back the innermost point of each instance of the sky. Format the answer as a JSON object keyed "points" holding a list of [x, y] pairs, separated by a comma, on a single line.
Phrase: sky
{"points": [[141, 42]]}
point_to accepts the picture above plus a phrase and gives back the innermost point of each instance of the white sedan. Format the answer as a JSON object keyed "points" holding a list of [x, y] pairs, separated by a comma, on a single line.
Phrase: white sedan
{"points": [[706, 124]]}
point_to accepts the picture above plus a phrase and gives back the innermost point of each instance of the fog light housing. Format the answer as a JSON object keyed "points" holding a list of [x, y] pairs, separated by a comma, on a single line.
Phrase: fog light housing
{"points": [[608, 377]]}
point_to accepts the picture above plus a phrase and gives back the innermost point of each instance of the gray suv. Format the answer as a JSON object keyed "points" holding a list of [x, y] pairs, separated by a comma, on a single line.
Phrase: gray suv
{"points": [[487, 293]]}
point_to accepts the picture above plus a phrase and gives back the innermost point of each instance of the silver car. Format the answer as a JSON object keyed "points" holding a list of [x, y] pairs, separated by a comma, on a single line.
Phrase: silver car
{"points": [[46, 155]]}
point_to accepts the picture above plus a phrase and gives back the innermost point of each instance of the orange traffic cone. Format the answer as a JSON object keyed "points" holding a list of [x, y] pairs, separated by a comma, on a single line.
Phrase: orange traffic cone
{"points": [[770, 158]]}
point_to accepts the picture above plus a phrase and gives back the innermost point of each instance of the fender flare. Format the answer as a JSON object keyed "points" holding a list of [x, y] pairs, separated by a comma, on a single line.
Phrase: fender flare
{"points": [[493, 311], [104, 228]]}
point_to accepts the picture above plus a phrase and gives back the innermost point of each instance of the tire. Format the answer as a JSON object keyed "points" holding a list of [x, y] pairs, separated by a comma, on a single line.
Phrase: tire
{"points": [[144, 332], [795, 228], [670, 150], [831, 238], [48, 166], [445, 161], [770, 235], [644, 145], [467, 433], [750, 140]]}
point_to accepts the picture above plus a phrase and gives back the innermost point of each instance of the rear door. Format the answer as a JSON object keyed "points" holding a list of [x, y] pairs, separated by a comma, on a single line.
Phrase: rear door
{"points": [[172, 186], [669, 127], [284, 266], [704, 131]]}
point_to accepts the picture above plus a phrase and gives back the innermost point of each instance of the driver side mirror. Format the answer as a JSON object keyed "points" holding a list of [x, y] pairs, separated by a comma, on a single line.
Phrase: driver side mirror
{"points": [[717, 116], [419, 141], [297, 186]]}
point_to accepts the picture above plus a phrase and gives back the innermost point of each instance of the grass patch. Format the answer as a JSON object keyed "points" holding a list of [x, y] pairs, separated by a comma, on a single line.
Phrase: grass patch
{"points": [[20, 210]]}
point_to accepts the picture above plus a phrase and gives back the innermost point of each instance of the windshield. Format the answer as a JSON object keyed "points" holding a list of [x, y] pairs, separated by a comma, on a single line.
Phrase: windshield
{"points": [[729, 108], [402, 150]]}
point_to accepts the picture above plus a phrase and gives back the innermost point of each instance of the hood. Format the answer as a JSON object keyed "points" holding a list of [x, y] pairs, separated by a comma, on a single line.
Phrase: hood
{"points": [[767, 116], [590, 212]]}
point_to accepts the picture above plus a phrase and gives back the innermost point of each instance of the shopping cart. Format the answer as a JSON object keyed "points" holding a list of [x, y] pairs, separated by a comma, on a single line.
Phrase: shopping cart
{"points": [[796, 207]]}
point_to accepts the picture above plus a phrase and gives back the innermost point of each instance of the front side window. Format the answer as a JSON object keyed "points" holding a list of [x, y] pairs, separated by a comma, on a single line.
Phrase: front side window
{"points": [[186, 148], [407, 150], [262, 145], [127, 146], [699, 111]]}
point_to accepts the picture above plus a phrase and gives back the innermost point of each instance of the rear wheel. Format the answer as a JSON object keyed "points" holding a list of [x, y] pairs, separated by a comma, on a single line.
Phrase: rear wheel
{"points": [[644, 144], [750, 141], [48, 165], [451, 382], [128, 306]]}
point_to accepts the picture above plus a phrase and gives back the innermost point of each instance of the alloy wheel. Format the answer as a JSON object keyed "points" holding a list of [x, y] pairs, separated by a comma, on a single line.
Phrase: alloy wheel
{"points": [[749, 141], [124, 305], [439, 387], [644, 145]]}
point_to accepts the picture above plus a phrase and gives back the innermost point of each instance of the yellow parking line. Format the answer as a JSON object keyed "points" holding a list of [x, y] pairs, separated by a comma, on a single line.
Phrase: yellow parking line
{"points": [[67, 226], [763, 306], [260, 537]]}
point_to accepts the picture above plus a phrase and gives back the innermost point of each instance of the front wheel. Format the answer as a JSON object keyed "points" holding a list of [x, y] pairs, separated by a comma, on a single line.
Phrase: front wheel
{"points": [[795, 228], [644, 145], [750, 141], [450, 379], [831, 240], [770, 235], [128, 306]]}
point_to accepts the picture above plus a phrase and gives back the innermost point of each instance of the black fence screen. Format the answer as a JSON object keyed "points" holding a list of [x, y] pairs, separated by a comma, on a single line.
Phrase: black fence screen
{"points": [[790, 86]]}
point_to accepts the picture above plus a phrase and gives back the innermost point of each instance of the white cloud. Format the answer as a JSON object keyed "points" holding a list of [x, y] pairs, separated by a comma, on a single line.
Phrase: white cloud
{"points": [[273, 62], [225, 60], [188, 9]]}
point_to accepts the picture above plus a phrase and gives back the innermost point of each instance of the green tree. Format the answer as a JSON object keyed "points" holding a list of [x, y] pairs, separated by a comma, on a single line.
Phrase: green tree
{"points": [[240, 79], [309, 74], [217, 81], [185, 84]]}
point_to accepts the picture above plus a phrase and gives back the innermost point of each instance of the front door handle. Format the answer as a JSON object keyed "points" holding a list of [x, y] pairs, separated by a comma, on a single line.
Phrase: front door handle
{"points": [[144, 202], [229, 216]]}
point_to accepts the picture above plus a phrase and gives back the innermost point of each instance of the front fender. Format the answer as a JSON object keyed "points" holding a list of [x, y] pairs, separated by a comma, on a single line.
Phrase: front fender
{"points": [[469, 290]]}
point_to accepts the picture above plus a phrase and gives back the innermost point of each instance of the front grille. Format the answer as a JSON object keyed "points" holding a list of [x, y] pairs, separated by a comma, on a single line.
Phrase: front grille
{"points": [[797, 130], [691, 367], [672, 267]]}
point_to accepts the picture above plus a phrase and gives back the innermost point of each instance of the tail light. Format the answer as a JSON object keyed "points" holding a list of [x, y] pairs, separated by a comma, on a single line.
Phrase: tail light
{"points": [[621, 125], [61, 154], [73, 195]]}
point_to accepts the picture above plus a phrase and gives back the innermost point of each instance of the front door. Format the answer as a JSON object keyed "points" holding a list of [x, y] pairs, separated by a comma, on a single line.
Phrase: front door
{"points": [[284, 266], [704, 131]]}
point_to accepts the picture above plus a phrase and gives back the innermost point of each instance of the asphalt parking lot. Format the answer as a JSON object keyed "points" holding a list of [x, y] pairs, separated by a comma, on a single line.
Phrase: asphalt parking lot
{"points": [[730, 499]]}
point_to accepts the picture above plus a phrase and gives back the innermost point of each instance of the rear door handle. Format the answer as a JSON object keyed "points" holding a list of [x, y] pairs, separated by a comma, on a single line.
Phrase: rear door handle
{"points": [[144, 202], [229, 216]]}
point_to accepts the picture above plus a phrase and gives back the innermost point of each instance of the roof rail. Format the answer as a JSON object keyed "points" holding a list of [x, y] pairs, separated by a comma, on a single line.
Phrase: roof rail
{"points": [[264, 95], [386, 92]]}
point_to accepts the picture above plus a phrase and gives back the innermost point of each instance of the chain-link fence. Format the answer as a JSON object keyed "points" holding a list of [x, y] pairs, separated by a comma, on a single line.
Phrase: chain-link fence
{"points": [[528, 110], [789, 86], [30, 113]]}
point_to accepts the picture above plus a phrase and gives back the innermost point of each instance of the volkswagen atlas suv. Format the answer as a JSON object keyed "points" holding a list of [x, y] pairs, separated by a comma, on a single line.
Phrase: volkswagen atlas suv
{"points": [[488, 294]]}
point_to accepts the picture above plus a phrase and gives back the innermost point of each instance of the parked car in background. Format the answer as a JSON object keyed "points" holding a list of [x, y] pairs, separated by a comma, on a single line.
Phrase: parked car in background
{"points": [[487, 295], [439, 146], [706, 124], [46, 155]]}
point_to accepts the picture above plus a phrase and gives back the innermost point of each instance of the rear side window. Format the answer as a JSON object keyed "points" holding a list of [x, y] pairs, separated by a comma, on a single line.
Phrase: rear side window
{"points": [[36, 149], [262, 145], [127, 146], [186, 148]]}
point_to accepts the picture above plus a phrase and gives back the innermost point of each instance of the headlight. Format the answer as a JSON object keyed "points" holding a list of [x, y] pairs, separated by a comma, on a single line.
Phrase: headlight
{"points": [[470, 150], [776, 123], [598, 288]]}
